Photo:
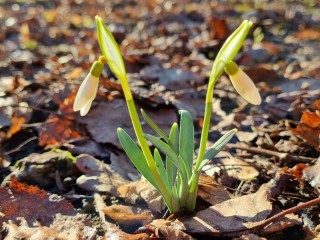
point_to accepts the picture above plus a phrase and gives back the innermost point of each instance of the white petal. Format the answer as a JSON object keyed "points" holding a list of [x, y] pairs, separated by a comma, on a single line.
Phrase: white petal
{"points": [[86, 93], [85, 109], [245, 87]]}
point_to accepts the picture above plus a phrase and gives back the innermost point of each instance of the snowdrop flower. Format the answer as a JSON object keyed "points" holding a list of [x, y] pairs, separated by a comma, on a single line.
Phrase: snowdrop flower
{"points": [[88, 89], [243, 84]]}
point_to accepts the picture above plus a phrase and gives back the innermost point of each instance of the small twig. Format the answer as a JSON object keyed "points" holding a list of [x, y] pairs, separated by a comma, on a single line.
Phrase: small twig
{"points": [[280, 155], [18, 148], [288, 211]]}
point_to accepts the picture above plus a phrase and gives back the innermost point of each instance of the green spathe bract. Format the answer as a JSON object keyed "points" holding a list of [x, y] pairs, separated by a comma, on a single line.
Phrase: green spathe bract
{"points": [[177, 179]]}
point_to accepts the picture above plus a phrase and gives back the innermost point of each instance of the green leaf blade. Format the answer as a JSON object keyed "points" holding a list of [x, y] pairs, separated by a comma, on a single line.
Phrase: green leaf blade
{"points": [[135, 155], [166, 149], [154, 126], [174, 144], [186, 140], [161, 169], [217, 147]]}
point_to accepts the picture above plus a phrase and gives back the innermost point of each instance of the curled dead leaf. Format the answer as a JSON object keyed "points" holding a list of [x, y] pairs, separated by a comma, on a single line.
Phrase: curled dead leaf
{"points": [[128, 215]]}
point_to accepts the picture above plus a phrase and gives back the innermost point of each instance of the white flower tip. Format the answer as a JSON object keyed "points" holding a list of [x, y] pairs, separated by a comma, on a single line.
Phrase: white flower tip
{"points": [[245, 87], [86, 94], [253, 97]]}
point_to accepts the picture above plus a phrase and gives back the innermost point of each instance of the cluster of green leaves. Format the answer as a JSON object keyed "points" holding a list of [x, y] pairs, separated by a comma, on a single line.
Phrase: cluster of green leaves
{"points": [[177, 171], [176, 175]]}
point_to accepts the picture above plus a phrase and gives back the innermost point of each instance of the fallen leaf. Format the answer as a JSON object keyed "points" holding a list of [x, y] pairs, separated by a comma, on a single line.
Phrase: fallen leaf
{"points": [[308, 34], [16, 123], [40, 168], [113, 232], [311, 119], [60, 128], [128, 215], [236, 215], [62, 229], [312, 174], [250, 236], [55, 215], [232, 167], [142, 190], [98, 177], [170, 230], [287, 221], [102, 122], [296, 171], [172, 78], [76, 73], [210, 192], [309, 134]]}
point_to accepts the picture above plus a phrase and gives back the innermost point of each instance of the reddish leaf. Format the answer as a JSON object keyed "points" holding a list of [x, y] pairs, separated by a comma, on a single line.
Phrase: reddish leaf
{"points": [[18, 200], [56, 130], [296, 171], [60, 128], [309, 134], [311, 119]]}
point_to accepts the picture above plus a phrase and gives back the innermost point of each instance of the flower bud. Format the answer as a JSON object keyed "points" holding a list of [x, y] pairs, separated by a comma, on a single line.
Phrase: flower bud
{"points": [[243, 84], [88, 89]]}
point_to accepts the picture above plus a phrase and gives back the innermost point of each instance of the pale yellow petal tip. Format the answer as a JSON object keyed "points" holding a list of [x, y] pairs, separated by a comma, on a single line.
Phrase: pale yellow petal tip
{"points": [[86, 94], [256, 100], [245, 87]]}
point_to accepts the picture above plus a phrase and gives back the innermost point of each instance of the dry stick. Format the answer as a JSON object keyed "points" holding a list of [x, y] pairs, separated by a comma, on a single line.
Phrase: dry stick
{"points": [[280, 155], [18, 148], [288, 211]]}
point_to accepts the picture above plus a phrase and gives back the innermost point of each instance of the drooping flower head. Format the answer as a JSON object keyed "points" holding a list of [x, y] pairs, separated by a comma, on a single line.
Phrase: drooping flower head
{"points": [[243, 83], [88, 89]]}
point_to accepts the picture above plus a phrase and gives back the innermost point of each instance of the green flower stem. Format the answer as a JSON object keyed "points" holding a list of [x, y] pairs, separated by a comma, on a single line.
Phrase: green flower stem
{"points": [[206, 124], [227, 52], [144, 145]]}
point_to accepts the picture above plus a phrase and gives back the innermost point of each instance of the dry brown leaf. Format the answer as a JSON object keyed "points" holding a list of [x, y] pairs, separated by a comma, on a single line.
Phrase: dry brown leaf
{"points": [[312, 174], [171, 230], [55, 215], [263, 73], [218, 28], [16, 123], [308, 34], [311, 119], [99, 177], [40, 169], [231, 167], [75, 74], [142, 190], [211, 193], [102, 122], [288, 221], [128, 215], [60, 128], [113, 232], [316, 105], [250, 236], [309, 134], [237, 215]]}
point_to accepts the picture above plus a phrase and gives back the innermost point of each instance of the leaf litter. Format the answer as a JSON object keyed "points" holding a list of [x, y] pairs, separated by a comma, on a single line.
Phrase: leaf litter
{"points": [[46, 49]]}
